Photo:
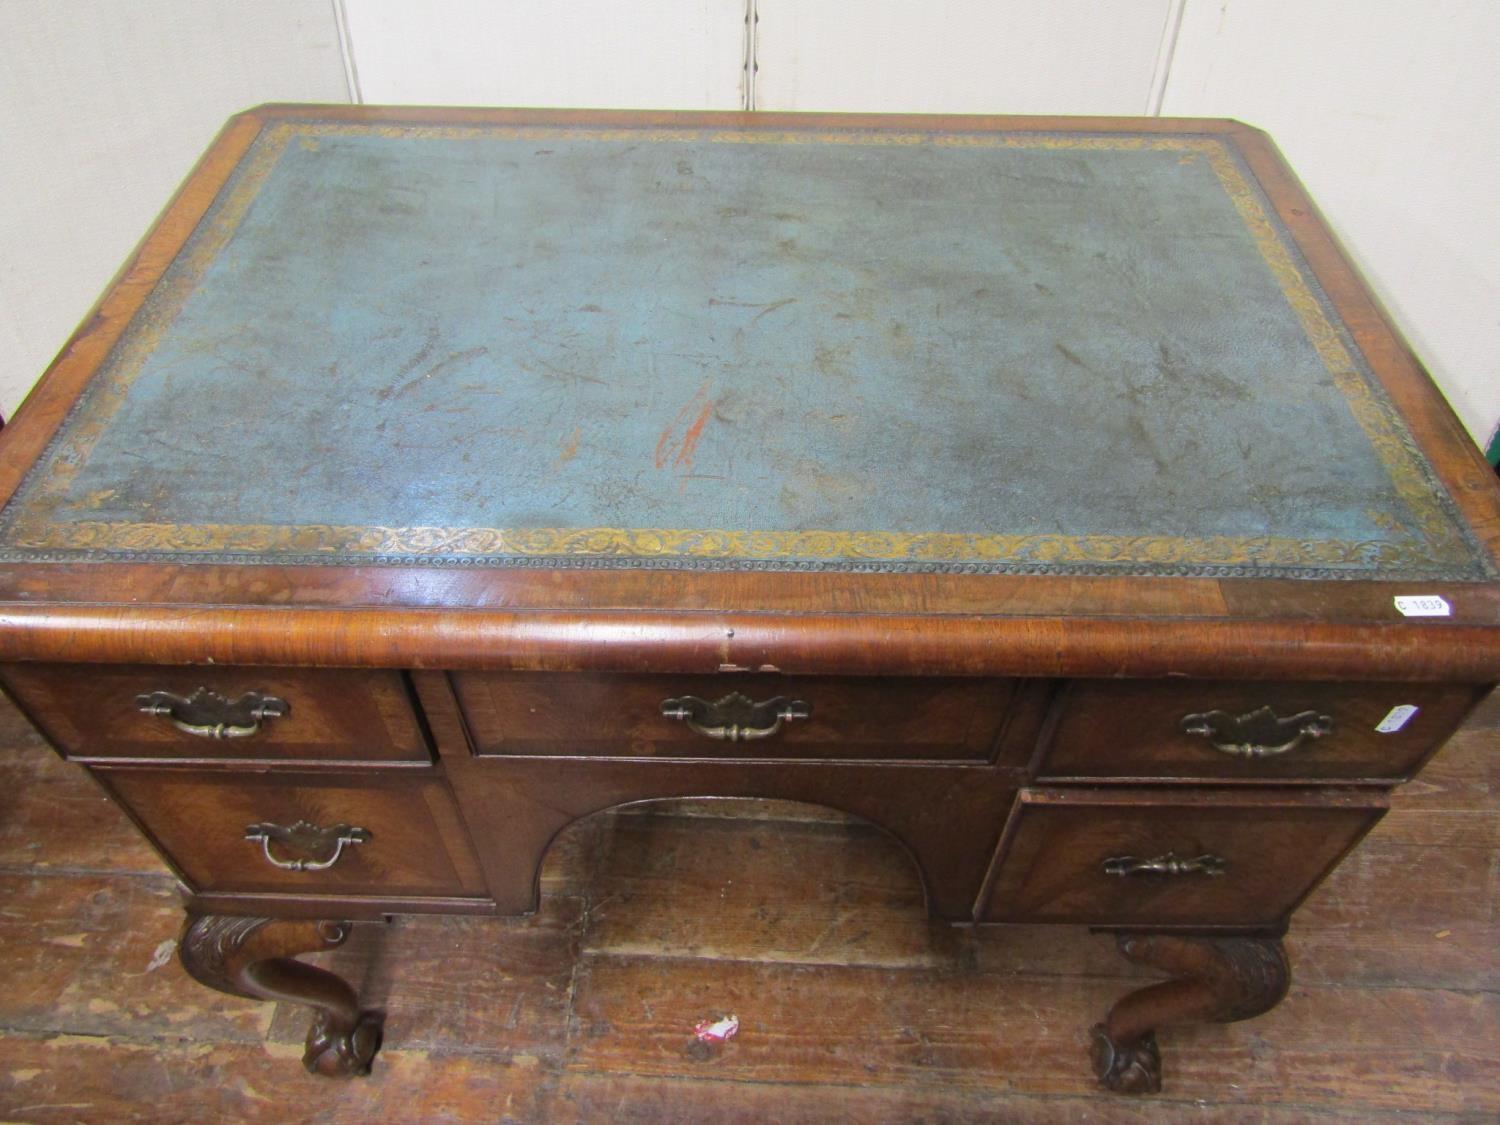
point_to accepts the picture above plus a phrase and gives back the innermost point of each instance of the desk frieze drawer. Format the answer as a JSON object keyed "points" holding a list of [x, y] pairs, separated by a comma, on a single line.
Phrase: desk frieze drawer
{"points": [[1166, 857], [1251, 731], [306, 834], [735, 717], [168, 713]]}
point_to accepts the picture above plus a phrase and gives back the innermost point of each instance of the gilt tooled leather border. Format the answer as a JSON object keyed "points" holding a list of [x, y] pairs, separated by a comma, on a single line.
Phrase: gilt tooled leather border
{"points": [[1445, 551]]}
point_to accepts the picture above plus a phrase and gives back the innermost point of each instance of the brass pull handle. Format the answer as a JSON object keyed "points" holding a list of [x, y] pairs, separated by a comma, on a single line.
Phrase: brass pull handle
{"points": [[735, 718], [324, 846], [207, 714], [1169, 864], [1258, 734]]}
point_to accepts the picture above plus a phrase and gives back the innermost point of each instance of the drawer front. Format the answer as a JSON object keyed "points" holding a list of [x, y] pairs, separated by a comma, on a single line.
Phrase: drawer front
{"points": [[845, 717], [1170, 857], [387, 836], [1251, 731], [96, 712]]}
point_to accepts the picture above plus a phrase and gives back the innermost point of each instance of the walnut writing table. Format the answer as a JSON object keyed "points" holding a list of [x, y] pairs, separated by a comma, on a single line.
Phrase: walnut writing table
{"points": [[1048, 492]]}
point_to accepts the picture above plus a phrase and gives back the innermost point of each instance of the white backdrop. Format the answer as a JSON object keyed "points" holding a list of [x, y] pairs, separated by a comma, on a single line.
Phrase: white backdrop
{"points": [[1387, 108]]}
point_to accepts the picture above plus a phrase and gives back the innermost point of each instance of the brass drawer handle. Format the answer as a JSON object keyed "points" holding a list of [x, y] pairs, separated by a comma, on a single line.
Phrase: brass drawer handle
{"points": [[735, 718], [207, 714], [323, 845], [1169, 864], [1259, 734]]}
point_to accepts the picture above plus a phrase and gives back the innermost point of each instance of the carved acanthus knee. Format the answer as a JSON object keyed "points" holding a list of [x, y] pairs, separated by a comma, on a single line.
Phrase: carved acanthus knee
{"points": [[1219, 980], [254, 957]]}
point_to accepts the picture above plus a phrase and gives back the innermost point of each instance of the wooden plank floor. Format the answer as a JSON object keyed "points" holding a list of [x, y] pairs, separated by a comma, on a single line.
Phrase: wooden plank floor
{"points": [[806, 926]]}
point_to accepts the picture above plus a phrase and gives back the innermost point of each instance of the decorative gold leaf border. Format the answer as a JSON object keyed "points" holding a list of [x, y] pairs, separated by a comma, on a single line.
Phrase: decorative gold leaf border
{"points": [[33, 527], [623, 542]]}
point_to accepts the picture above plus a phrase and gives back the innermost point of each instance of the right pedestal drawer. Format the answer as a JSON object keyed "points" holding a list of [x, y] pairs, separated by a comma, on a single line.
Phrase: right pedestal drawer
{"points": [[1250, 731], [1236, 858]]}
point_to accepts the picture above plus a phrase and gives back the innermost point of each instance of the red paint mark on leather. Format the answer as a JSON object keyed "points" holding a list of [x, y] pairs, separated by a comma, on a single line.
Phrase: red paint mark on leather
{"points": [[690, 439], [679, 451]]}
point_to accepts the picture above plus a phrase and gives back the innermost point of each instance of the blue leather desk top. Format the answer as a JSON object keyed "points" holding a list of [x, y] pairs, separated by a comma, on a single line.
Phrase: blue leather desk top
{"points": [[1069, 353]]}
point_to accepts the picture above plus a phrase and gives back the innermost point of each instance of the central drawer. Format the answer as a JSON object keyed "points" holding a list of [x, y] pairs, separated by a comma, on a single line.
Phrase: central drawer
{"points": [[735, 717]]}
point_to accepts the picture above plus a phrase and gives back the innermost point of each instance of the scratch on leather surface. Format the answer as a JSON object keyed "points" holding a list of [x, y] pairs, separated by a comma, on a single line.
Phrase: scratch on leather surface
{"points": [[991, 351]]}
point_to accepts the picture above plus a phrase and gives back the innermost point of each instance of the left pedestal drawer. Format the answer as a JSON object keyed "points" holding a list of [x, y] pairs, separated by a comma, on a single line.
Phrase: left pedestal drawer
{"points": [[168, 713], [379, 833]]}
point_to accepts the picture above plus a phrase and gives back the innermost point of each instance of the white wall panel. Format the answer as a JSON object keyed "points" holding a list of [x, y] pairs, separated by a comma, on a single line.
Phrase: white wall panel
{"points": [[662, 54], [959, 56], [104, 107], [1390, 113]]}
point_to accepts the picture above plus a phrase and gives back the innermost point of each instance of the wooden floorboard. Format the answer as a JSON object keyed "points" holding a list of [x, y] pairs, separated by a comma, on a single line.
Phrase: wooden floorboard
{"points": [[807, 925]]}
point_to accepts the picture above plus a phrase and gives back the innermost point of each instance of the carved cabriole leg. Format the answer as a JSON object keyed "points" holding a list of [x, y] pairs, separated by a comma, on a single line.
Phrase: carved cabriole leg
{"points": [[253, 957], [1220, 979]]}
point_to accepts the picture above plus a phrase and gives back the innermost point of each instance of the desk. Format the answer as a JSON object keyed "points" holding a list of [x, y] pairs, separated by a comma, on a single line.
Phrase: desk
{"points": [[1048, 492]]}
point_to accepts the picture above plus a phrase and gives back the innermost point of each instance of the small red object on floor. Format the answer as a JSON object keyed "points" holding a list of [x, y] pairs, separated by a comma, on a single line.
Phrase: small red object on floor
{"points": [[716, 1031]]}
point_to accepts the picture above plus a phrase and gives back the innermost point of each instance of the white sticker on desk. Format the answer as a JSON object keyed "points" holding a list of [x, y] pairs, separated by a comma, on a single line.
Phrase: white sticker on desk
{"points": [[1422, 605], [1398, 717]]}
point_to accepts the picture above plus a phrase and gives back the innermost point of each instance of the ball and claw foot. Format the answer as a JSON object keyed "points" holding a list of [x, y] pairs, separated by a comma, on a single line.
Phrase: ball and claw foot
{"points": [[256, 957], [339, 1052], [1131, 1069], [1216, 979]]}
